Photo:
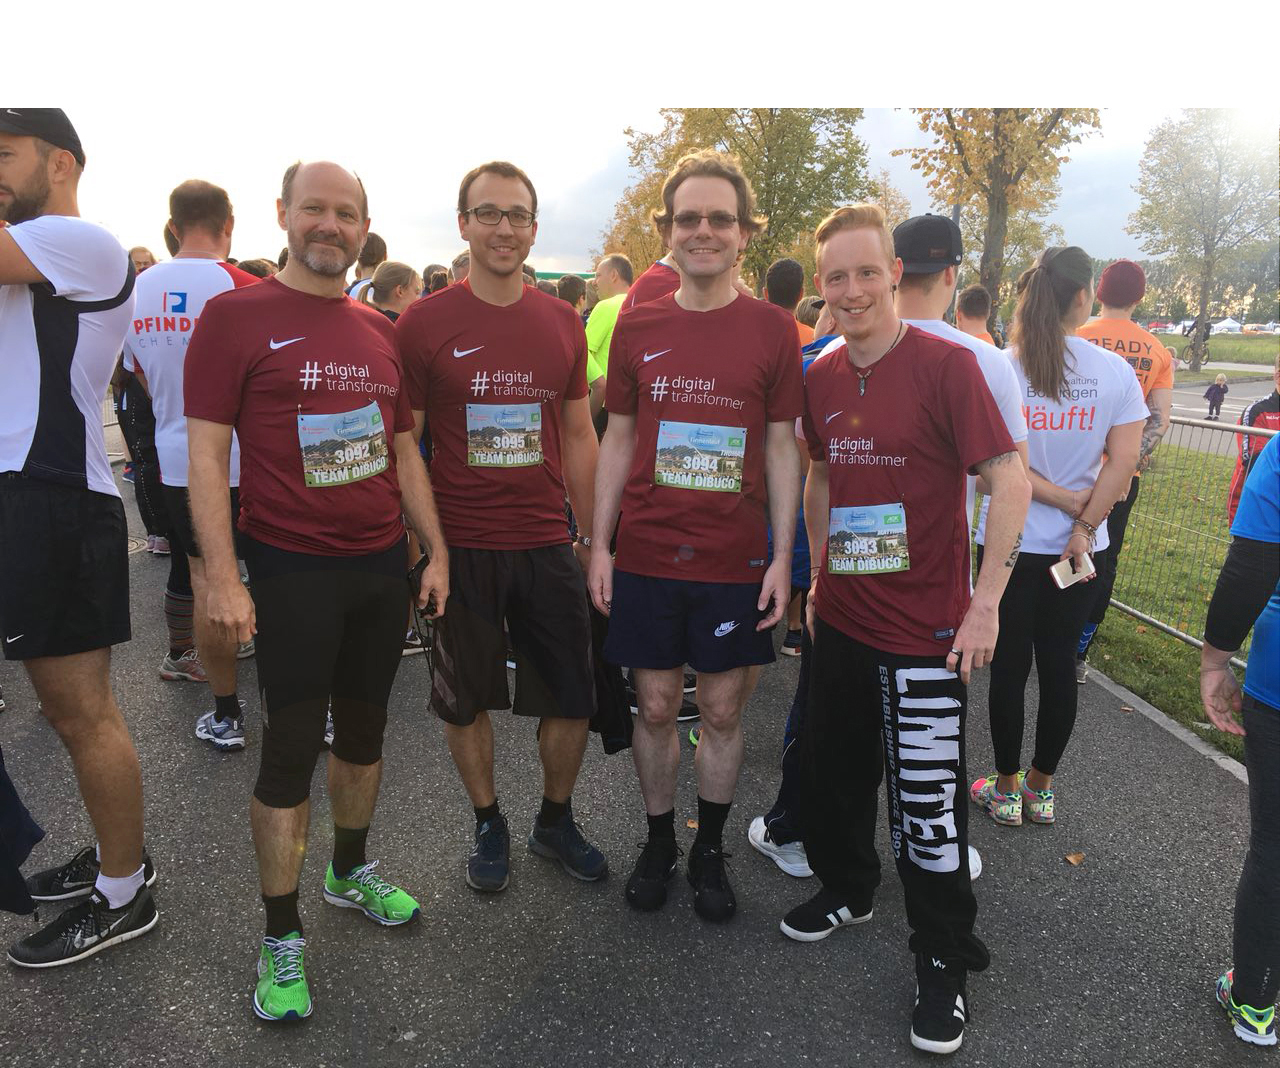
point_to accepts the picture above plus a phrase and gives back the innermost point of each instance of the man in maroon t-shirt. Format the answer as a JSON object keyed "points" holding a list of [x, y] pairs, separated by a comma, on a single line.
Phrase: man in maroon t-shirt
{"points": [[499, 372], [311, 382], [704, 388], [894, 420]]}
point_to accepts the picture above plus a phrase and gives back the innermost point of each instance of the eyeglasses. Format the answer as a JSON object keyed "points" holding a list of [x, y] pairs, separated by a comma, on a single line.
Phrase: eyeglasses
{"points": [[491, 216], [719, 220]]}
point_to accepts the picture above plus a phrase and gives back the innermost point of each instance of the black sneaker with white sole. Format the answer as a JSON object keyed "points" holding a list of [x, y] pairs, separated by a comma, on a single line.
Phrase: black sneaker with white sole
{"points": [[942, 1005], [823, 913], [85, 929], [76, 877]]}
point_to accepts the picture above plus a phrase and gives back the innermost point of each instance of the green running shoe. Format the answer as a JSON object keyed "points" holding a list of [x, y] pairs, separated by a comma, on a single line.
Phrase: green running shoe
{"points": [[1256, 1026], [282, 992], [381, 901]]}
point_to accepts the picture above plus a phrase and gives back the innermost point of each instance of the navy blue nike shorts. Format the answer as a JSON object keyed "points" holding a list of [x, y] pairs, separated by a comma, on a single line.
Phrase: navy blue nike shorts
{"points": [[663, 623]]}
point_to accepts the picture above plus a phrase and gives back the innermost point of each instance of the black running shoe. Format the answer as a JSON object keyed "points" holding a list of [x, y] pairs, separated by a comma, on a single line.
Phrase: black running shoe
{"points": [[76, 877], [688, 710], [489, 866], [564, 842], [820, 915], [84, 929], [712, 895], [942, 1005], [647, 887]]}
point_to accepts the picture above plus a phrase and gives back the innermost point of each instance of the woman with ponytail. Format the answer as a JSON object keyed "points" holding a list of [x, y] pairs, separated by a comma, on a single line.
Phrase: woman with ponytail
{"points": [[1083, 406], [394, 287]]}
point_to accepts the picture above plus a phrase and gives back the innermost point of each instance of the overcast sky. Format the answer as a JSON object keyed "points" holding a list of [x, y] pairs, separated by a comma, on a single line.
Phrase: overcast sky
{"points": [[412, 98]]}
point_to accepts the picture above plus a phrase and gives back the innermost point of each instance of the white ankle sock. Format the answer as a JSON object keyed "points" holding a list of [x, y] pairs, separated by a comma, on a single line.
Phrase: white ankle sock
{"points": [[119, 892]]}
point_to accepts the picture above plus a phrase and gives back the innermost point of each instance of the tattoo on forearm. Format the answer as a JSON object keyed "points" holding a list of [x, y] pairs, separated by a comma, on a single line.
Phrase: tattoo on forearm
{"points": [[1151, 435], [1013, 556]]}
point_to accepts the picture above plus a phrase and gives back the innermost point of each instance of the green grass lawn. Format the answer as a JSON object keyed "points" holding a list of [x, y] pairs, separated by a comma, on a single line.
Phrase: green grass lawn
{"points": [[1208, 374], [1176, 542], [1232, 348]]}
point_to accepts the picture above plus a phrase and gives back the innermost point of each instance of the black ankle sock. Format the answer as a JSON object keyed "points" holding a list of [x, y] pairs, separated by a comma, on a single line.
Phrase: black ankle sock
{"points": [[552, 812], [711, 818], [489, 812], [282, 915], [348, 849], [663, 826], [225, 708]]}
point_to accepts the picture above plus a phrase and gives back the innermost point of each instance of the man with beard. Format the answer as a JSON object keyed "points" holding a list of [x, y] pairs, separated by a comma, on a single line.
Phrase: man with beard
{"points": [[311, 383], [66, 296]]}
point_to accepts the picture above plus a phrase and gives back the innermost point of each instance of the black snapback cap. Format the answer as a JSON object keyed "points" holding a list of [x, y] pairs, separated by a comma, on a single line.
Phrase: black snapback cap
{"points": [[48, 124], [927, 244]]}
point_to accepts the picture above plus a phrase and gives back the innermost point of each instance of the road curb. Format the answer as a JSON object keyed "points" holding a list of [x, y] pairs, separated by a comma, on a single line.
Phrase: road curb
{"points": [[1226, 763]]}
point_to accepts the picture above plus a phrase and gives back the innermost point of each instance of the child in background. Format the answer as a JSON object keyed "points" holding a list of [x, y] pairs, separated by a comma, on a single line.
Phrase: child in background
{"points": [[1214, 395]]}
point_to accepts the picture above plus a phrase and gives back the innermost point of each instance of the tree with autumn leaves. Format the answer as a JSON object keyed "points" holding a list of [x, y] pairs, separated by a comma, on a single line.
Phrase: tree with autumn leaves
{"points": [[801, 162], [1000, 163]]}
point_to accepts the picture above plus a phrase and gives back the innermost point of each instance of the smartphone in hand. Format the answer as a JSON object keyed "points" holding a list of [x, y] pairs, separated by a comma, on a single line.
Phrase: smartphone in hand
{"points": [[1063, 576]]}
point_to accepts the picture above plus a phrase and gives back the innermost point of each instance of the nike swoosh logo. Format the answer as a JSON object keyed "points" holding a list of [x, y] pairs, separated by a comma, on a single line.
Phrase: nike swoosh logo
{"points": [[725, 628], [654, 355], [281, 344], [12, 112], [465, 352], [834, 414], [15, 637]]}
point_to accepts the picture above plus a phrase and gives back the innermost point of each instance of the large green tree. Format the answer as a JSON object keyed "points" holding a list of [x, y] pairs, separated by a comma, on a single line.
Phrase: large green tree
{"points": [[1002, 161], [802, 162], [1208, 188]]}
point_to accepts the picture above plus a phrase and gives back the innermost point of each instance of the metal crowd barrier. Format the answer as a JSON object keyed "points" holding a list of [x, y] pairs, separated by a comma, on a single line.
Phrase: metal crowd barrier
{"points": [[1178, 531]]}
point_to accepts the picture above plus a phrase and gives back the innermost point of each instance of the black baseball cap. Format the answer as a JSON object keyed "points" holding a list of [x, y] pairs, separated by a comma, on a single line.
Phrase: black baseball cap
{"points": [[927, 244], [48, 124]]}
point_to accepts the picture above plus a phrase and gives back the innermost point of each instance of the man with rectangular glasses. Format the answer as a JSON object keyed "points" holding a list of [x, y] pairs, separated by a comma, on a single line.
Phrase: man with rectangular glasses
{"points": [[499, 371], [703, 393]]}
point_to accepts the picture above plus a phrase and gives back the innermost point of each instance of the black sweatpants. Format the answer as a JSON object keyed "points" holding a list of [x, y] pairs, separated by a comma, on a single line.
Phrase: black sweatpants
{"points": [[138, 428], [875, 715], [1037, 619]]}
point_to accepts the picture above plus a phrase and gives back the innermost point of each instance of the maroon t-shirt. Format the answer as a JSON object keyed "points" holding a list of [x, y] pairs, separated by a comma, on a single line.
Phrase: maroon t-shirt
{"points": [[895, 573], [492, 381], [659, 280], [314, 389], [702, 386]]}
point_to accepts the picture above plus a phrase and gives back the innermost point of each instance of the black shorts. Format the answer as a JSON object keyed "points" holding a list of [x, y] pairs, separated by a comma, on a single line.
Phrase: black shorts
{"points": [[64, 569], [330, 634], [663, 623], [542, 597], [177, 502]]}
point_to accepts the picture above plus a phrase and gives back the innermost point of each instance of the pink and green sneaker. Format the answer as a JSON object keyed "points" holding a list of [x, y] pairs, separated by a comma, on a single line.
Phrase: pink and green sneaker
{"points": [[1257, 1026], [1005, 809], [1036, 804]]}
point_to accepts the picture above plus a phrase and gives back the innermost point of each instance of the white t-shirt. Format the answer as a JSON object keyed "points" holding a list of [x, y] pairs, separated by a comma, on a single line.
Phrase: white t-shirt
{"points": [[1066, 438], [171, 296], [1002, 380], [58, 345]]}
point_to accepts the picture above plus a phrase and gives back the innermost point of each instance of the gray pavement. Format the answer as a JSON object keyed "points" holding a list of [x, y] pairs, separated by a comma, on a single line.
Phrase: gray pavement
{"points": [[1109, 963]]}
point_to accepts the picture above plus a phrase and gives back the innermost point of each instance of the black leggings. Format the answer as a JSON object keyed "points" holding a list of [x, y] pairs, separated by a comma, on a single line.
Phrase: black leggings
{"points": [[1257, 926], [1037, 619], [138, 428], [330, 635]]}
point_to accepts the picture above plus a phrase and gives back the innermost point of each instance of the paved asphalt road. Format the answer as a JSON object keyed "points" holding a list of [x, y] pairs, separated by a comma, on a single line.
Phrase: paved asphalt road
{"points": [[1109, 963]]}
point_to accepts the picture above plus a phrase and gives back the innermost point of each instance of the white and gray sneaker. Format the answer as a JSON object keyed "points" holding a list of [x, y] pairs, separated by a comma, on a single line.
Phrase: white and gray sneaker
{"points": [[227, 734], [789, 856]]}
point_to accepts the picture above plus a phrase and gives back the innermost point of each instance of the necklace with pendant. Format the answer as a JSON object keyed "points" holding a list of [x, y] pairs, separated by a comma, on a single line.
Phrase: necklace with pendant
{"points": [[864, 375]]}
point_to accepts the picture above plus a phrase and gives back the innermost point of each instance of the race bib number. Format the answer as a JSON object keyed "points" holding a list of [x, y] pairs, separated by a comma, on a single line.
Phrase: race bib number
{"points": [[700, 457], [504, 435], [343, 447], [868, 540]]}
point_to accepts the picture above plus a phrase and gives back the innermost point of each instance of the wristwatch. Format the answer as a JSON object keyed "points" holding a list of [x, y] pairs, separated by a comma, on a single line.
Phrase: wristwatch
{"points": [[584, 540]]}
